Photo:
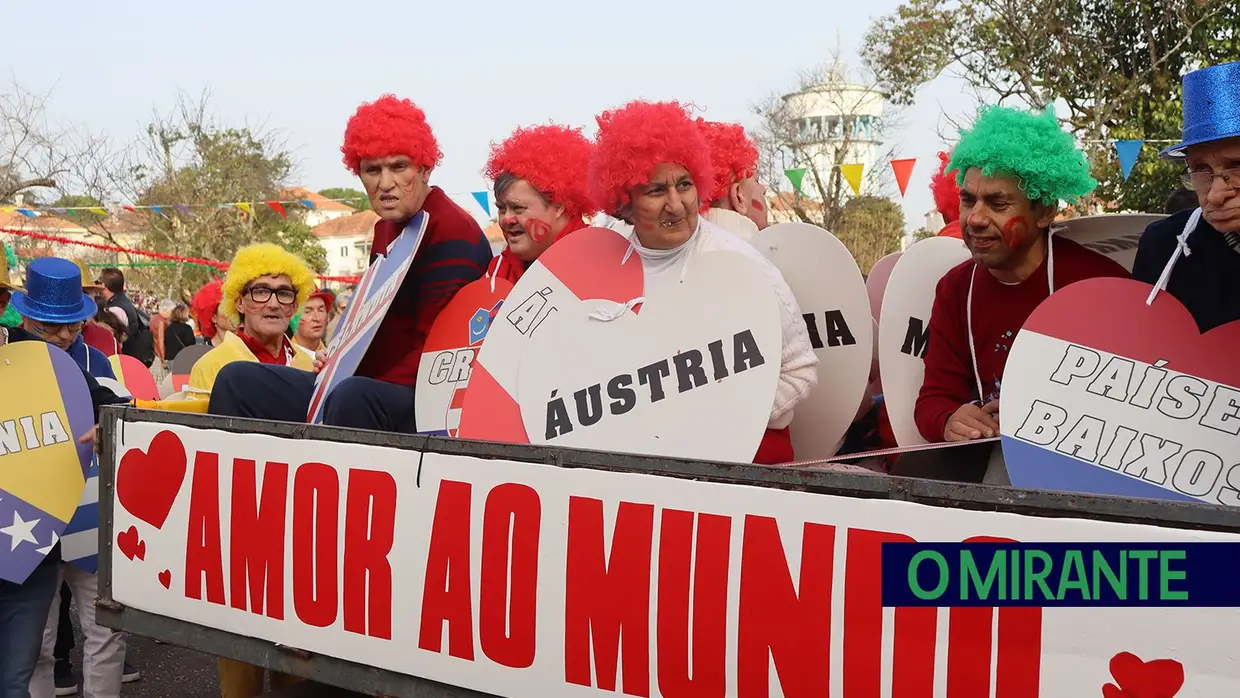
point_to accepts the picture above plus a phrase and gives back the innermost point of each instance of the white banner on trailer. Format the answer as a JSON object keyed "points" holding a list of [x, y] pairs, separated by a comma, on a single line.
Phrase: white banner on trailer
{"points": [[522, 579]]}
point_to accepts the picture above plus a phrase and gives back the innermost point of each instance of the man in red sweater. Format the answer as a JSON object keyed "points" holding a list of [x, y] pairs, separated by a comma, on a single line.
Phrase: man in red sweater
{"points": [[389, 145], [1014, 168]]}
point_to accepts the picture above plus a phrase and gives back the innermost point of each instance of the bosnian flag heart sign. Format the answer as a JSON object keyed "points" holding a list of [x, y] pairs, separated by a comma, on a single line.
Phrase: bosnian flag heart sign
{"points": [[1104, 394]]}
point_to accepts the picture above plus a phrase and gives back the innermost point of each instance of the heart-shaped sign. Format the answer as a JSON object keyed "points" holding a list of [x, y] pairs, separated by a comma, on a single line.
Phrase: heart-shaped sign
{"points": [[1157, 678], [135, 376], [449, 353], [589, 264], [904, 328], [183, 365], [684, 378], [876, 282], [829, 288], [1115, 234], [147, 482], [44, 408], [1113, 396]]}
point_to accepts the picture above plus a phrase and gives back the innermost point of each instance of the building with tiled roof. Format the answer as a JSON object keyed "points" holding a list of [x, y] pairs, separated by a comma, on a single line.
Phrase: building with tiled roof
{"points": [[324, 208], [347, 242], [495, 236]]}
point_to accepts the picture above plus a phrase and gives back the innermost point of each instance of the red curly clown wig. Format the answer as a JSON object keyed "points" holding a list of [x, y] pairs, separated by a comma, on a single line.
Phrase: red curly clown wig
{"points": [[946, 191], [205, 304], [732, 153], [639, 136], [552, 159], [389, 126]]}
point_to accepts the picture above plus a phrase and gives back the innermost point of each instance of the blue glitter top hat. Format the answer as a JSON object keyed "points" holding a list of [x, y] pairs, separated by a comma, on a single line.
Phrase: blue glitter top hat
{"points": [[1211, 106], [53, 293]]}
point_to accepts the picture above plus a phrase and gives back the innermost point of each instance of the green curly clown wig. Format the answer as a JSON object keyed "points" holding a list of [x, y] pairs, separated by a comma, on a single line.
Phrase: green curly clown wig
{"points": [[1029, 146]]}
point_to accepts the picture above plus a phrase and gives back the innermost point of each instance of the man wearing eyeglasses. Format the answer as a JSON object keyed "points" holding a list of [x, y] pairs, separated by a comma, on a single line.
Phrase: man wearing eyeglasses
{"points": [[264, 288], [1205, 275]]}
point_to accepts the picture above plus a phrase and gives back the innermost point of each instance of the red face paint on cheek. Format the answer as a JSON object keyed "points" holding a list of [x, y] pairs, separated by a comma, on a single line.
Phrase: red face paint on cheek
{"points": [[1015, 232], [757, 205], [537, 230]]}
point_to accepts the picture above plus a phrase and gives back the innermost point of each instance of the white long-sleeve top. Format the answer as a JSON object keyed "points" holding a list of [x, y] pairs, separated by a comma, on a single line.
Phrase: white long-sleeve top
{"points": [[798, 368]]}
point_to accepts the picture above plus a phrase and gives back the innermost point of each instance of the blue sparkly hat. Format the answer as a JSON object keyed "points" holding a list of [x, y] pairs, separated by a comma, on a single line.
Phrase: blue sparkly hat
{"points": [[1211, 106], [53, 293]]}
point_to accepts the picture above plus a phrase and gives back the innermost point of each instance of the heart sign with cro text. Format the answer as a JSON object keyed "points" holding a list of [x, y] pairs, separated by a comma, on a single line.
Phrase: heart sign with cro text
{"points": [[1113, 396]]}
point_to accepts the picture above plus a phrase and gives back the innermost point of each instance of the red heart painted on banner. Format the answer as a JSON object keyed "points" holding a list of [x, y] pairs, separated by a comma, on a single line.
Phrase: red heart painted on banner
{"points": [[1110, 690], [1110, 315], [147, 482], [165, 578], [1157, 678], [131, 545]]}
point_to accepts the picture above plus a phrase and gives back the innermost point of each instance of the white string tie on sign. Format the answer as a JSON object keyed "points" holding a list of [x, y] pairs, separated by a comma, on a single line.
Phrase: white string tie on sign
{"points": [[1181, 248], [606, 311]]}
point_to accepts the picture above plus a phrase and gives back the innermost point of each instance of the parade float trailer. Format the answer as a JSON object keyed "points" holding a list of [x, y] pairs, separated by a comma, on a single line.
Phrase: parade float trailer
{"points": [[396, 565]]}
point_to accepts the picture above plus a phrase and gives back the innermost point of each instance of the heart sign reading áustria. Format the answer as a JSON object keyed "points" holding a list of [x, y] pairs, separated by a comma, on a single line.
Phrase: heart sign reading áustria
{"points": [[147, 482], [1113, 396], [829, 288], [693, 375], [589, 264]]}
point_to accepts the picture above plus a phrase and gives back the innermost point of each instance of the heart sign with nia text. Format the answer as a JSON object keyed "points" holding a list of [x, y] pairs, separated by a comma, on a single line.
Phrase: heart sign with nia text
{"points": [[44, 409], [692, 375], [829, 288], [1107, 395]]}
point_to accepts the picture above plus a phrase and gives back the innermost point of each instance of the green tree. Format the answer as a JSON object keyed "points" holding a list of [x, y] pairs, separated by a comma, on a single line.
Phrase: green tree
{"points": [[353, 197], [923, 234], [871, 228], [1115, 65], [188, 159]]}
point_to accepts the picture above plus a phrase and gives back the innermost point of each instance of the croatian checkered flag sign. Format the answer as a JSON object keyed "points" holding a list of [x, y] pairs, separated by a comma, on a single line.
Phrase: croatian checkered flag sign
{"points": [[367, 307]]}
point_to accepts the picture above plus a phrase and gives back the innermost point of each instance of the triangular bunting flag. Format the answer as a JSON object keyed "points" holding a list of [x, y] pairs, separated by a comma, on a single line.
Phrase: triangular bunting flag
{"points": [[98, 210], [278, 208], [852, 175], [27, 213], [130, 209], [796, 177], [307, 203], [903, 170], [185, 209], [159, 210], [483, 201], [244, 207], [1128, 152]]}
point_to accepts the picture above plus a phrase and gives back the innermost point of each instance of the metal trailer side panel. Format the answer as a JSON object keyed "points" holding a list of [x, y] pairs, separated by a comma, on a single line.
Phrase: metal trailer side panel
{"points": [[380, 682]]}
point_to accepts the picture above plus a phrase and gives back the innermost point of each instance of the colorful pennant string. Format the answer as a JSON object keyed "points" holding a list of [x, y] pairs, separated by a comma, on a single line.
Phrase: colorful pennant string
{"points": [[194, 261]]}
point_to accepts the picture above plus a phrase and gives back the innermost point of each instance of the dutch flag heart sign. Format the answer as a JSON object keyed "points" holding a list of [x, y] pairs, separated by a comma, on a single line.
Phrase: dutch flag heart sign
{"points": [[1104, 394]]}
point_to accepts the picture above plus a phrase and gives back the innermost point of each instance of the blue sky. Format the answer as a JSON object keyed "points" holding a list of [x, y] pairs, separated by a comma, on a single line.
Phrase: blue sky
{"points": [[479, 69]]}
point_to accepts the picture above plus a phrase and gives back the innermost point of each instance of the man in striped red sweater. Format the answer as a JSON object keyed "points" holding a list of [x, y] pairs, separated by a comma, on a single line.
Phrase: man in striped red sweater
{"points": [[390, 147]]}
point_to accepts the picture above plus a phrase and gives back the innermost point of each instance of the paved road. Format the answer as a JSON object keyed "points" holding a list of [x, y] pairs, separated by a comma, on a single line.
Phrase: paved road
{"points": [[166, 670]]}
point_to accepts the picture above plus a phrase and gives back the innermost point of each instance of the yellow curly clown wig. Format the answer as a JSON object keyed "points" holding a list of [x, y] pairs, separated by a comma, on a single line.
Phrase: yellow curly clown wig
{"points": [[264, 259], [1029, 146]]}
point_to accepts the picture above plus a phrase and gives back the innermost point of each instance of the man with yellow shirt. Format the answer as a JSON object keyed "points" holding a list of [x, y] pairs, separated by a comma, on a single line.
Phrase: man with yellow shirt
{"points": [[264, 287]]}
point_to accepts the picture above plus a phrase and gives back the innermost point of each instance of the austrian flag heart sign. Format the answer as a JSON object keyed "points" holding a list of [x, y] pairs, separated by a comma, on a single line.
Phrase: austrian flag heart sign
{"points": [[1107, 395], [692, 375]]}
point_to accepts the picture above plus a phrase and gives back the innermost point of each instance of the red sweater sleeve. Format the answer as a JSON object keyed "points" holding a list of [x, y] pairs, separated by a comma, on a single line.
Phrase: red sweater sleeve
{"points": [[949, 381]]}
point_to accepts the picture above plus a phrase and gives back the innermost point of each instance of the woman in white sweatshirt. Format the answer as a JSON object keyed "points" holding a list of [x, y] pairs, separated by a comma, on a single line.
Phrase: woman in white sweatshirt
{"points": [[646, 169]]}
